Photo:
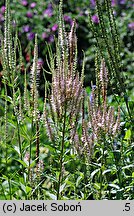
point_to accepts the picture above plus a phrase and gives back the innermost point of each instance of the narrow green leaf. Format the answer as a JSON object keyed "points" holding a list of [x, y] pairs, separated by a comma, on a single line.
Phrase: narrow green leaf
{"points": [[22, 162], [114, 186], [94, 173]]}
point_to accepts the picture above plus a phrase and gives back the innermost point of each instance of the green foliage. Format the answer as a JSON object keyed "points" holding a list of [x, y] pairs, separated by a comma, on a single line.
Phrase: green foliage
{"points": [[76, 143]]}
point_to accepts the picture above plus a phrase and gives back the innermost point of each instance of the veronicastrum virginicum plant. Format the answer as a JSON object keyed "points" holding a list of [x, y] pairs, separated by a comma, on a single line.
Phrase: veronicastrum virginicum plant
{"points": [[109, 47], [64, 109], [22, 107], [72, 128], [64, 101]]}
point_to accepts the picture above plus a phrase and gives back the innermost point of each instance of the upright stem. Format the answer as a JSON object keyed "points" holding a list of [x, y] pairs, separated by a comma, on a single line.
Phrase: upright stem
{"points": [[18, 125], [37, 144], [102, 162], [5, 121], [31, 138], [10, 191], [61, 155], [37, 155], [20, 147], [100, 192], [85, 177], [30, 150]]}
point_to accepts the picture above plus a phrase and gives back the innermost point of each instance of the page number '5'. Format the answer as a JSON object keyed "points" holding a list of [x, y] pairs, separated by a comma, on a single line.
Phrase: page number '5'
{"points": [[127, 207]]}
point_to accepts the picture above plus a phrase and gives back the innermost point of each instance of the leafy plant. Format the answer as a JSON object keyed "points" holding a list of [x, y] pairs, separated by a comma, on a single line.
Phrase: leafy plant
{"points": [[73, 144]]}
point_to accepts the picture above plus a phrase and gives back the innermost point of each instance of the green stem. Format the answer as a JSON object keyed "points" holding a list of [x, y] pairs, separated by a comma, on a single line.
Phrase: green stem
{"points": [[5, 121], [100, 192], [61, 155], [85, 177], [117, 165], [37, 144], [102, 163], [37, 155], [30, 150], [20, 147], [10, 192], [3, 191]]}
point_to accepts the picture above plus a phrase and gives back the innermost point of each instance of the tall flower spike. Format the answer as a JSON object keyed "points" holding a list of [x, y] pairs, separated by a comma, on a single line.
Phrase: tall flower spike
{"points": [[20, 111], [66, 89], [34, 80], [97, 72], [6, 44], [9, 40], [116, 127], [101, 118], [103, 79], [72, 47], [62, 35], [26, 95], [83, 143]]}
